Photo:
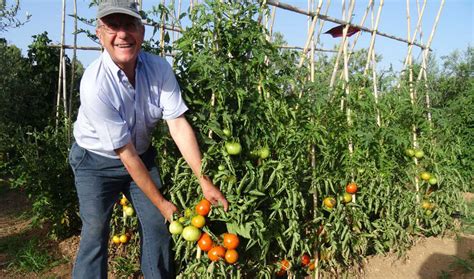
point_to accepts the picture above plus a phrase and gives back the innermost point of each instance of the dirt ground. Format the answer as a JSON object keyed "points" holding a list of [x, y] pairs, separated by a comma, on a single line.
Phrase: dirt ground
{"points": [[429, 258]]}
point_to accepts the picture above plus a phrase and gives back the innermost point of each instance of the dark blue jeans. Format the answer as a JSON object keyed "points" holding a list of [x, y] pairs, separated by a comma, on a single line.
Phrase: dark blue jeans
{"points": [[99, 181]]}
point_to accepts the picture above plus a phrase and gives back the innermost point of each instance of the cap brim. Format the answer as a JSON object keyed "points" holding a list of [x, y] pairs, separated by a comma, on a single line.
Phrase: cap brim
{"points": [[118, 11]]}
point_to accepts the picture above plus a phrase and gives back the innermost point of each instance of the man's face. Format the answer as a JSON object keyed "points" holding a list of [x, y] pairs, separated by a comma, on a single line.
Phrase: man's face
{"points": [[122, 36]]}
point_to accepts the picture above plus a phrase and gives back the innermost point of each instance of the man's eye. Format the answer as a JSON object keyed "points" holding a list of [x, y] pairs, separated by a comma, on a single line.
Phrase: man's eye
{"points": [[113, 26], [130, 26]]}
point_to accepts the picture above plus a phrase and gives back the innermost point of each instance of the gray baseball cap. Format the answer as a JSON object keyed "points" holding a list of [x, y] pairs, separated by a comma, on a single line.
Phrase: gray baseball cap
{"points": [[128, 7]]}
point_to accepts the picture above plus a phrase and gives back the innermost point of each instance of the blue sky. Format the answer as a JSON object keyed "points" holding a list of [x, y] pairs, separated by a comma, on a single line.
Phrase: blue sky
{"points": [[455, 29]]}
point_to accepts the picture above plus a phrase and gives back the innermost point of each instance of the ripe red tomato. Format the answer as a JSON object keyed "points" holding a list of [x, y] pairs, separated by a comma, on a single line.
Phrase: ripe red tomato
{"points": [[216, 253], [305, 259], [231, 256], [231, 241], [205, 242], [351, 188], [203, 207]]}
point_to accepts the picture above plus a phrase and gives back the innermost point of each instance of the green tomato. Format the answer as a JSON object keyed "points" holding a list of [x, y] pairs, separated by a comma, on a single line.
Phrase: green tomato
{"points": [[175, 227], [419, 154], [346, 197], [129, 211], [221, 167], [432, 180], [182, 219], [410, 152], [264, 152], [226, 132], [188, 212], [233, 148], [191, 233]]}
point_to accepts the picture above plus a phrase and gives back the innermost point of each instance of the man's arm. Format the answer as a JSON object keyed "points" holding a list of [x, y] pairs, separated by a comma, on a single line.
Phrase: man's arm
{"points": [[139, 173], [183, 136]]}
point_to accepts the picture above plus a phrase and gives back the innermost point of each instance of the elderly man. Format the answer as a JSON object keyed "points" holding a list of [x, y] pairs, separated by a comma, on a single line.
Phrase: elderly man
{"points": [[123, 95]]}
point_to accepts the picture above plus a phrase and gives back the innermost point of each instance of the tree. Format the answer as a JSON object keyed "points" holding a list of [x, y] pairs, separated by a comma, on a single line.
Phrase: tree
{"points": [[8, 16]]}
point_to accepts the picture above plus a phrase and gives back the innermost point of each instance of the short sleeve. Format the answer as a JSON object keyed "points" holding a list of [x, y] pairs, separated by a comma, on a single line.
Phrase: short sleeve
{"points": [[171, 100]]}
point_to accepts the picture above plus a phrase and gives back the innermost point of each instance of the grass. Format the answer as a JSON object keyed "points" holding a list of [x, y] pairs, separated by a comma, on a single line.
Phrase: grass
{"points": [[467, 226]]}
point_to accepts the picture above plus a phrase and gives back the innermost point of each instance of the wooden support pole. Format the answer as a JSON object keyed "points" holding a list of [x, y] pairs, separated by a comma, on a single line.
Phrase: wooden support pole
{"points": [[338, 21]]}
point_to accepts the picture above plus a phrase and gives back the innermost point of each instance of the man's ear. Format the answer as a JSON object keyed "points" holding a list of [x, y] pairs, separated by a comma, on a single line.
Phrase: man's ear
{"points": [[99, 35]]}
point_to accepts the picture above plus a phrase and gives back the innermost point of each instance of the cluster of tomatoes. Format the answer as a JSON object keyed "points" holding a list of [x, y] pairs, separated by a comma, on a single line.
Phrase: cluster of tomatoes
{"points": [[330, 202], [305, 262], [235, 148], [189, 227], [425, 176], [128, 211]]}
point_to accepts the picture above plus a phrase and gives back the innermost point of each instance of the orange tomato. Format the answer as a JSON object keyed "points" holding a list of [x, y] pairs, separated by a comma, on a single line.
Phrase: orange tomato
{"points": [[231, 256], [205, 242], [284, 266], [116, 239], [311, 266], [216, 253], [203, 207], [123, 238], [351, 188], [198, 221], [231, 241]]}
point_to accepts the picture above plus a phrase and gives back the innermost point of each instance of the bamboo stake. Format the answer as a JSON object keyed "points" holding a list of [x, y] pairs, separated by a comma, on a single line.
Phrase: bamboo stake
{"points": [[73, 73], [346, 81], [321, 25], [272, 22], [64, 78], [310, 35], [162, 30], [413, 103], [61, 55], [335, 20], [424, 63], [341, 48], [430, 39], [358, 33], [372, 39], [418, 27]]}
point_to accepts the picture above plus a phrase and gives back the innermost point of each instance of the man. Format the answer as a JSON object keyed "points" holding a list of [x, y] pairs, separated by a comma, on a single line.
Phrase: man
{"points": [[123, 95]]}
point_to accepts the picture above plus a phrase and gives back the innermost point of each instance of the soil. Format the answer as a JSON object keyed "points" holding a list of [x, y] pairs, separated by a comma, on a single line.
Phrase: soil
{"points": [[433, 257]]}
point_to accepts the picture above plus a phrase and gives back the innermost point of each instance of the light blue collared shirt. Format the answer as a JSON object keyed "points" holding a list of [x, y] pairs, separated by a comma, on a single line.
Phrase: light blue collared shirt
{"points": [[113, 113]]}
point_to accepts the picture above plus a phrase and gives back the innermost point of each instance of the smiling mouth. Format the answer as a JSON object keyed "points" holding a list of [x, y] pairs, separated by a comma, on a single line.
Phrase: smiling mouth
{"points": [[123, 45]]}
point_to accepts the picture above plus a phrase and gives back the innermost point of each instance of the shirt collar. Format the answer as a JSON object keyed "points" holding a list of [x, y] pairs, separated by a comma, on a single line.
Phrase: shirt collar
{"points": [[115, 69]]}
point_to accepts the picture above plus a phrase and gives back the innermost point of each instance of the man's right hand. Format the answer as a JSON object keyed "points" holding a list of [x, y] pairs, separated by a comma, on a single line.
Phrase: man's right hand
{"points": [[167, 209]]}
